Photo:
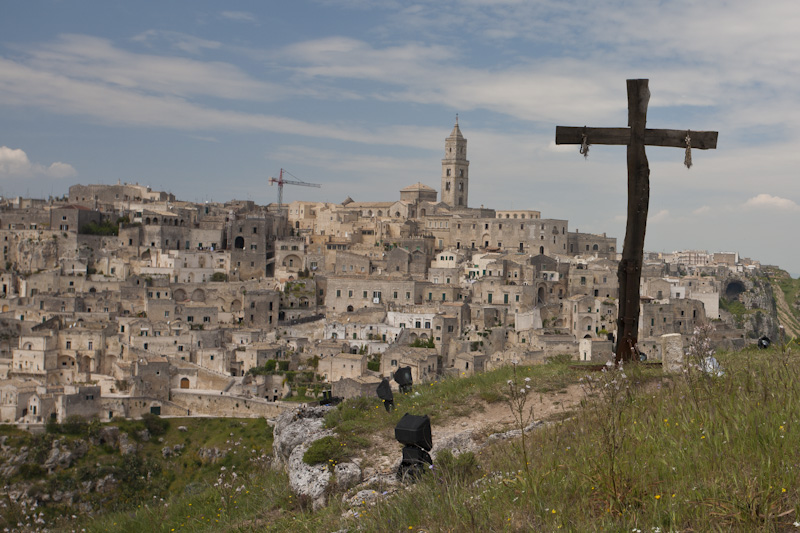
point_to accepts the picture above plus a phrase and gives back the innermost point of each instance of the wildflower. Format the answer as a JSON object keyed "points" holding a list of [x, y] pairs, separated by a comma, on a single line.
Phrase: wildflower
{"points": [[658, 496]]}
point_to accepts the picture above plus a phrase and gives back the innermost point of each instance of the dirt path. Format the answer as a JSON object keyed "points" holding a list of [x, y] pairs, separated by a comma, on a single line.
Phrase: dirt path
{"points": [[485, 419]]}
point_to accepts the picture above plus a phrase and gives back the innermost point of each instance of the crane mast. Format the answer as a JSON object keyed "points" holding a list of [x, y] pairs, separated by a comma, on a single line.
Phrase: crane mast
{"points": [[281, 182]]}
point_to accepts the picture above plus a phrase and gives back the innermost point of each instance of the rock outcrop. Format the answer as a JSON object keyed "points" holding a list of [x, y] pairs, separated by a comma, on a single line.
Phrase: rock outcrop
{"points": [[294, 432]]}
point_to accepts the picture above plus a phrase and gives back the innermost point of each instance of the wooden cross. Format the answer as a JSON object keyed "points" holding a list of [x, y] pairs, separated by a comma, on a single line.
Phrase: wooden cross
{"points": [[635, 137]]}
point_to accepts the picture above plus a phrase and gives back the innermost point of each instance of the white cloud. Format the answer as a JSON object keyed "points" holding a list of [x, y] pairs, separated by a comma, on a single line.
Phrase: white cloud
{"points": [[660, 216], [96, 61], [239, 16], [766, 201], [14, 163], [704, 210], [181, 41]]}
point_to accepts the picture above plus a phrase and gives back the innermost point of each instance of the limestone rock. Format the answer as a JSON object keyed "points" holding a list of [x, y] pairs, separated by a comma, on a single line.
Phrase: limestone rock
{"points": [[308, 480], [105, 484], [514, 433], [294, 432], [672, 352], [457, 444], [62, 457], [366, 497], [347, 475], [126, 447], [211, 455], [295, 427], [108, 435]]}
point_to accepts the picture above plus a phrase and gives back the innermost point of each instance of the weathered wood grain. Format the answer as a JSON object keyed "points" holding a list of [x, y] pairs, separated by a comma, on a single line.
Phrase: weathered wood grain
{"points": [[701, 140]]}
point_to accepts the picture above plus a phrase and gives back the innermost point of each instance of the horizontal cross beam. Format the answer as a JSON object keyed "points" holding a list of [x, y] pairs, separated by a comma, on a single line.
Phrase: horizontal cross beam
{"points": [[703, 140]]}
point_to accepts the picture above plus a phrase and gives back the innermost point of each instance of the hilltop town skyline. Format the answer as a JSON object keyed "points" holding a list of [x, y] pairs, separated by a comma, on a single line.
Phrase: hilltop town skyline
{"points": [[209, 102]]}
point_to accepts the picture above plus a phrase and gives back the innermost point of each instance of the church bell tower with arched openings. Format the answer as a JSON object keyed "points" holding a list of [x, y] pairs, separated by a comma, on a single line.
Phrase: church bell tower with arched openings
{"points": [[455, 170]]}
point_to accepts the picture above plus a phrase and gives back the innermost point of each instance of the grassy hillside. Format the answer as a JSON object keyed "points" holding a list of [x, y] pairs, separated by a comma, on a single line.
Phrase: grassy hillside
{"points": [[690, 452], [204, 446], [787, 299]]}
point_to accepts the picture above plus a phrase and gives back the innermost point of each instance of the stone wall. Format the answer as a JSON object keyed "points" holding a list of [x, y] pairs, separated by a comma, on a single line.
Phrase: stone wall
{"points": [[219, 404]]}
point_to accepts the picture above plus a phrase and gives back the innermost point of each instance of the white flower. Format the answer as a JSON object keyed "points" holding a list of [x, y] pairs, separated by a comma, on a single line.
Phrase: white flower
{"points": [[510, 382], [527, 379]]}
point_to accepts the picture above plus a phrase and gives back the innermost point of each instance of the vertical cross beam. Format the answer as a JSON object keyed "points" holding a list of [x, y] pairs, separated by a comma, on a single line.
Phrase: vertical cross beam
{"points": [[636, 136]]}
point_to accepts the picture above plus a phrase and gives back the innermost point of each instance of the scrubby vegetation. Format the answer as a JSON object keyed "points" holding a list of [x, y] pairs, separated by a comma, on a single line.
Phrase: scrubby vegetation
{"points": [[698, 451], [105, 228]]}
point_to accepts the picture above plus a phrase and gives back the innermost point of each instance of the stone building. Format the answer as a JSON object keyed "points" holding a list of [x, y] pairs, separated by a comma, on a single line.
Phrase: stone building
{"points": [[455, 170]]}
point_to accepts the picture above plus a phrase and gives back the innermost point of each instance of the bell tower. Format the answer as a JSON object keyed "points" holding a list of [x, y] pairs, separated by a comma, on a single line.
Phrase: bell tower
{"points": [[455, 170]]}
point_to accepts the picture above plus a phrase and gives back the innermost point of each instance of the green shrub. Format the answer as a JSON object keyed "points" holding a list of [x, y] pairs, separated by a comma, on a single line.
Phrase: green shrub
{"points": [[374, 363], [490, 396], [462, 468], [283, 366], [328, 450], [270, 365], [422, 343], [75, 425], [219, 276], [155, 424], [32, 471]]}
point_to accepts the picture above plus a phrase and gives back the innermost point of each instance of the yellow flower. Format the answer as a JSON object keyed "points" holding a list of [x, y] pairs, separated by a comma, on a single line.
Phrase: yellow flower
{"points": [[554, 511], [783, 490], [658, 496]]}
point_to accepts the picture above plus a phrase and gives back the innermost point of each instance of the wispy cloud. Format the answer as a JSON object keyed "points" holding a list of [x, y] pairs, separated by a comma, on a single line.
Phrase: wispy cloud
{"points": [[14, 163], [660, 216], [239, 16], [96, 61], [769, 202], [176, 40]]}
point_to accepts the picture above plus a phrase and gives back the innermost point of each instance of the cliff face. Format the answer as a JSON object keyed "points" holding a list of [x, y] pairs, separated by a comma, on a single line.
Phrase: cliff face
{"points": [[748, 303]]}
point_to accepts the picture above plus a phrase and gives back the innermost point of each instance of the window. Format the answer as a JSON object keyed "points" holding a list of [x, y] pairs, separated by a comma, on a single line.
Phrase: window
{"points": [[189, 319], [206, 319], [69, 345], [338, 293]]}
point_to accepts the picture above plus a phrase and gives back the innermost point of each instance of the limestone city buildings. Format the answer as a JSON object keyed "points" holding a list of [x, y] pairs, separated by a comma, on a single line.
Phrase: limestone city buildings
{"points": [[175, 310]]}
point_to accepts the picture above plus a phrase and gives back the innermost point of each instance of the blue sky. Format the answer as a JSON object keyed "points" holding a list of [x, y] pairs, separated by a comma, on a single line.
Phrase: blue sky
{"points": [[210, 99]]}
